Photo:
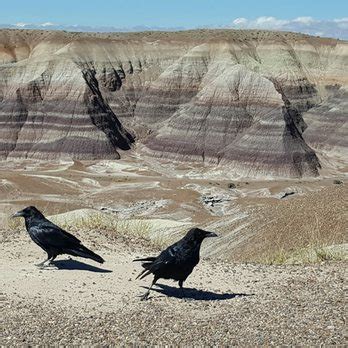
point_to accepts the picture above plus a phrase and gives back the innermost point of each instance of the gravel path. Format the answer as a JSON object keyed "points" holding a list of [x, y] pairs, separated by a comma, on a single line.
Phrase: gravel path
{"points": [[235, 304]]}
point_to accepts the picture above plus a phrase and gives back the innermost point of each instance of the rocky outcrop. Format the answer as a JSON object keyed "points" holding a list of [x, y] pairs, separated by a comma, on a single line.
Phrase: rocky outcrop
{"points": [[254, 102]]}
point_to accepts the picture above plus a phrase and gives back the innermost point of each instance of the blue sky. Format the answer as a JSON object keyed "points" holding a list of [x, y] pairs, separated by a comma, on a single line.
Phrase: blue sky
{"points": [[163, 13], [173, 13]]}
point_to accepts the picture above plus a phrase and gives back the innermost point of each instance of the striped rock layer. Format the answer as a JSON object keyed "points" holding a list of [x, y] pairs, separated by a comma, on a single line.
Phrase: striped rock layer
{"points": [[261, 103]]}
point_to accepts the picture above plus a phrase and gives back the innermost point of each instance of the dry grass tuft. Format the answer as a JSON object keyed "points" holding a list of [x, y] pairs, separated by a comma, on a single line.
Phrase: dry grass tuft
{"points": [[14, 225], [134, 228], [107, 224]]}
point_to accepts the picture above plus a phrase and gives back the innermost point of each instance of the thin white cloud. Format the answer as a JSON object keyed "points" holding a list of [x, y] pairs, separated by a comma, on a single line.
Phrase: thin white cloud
{"points": [[304, 20], [337, 28], [21, 25], [47, 24], [341, 20], [342, 23], [270, 22], [240, 21]]}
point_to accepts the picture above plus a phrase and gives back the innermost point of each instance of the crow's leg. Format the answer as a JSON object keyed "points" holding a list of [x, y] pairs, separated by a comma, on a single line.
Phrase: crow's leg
{"points": [[183, 294], [146, 295], [42, 264], [49, 262], [50, 258], [181, 283]]}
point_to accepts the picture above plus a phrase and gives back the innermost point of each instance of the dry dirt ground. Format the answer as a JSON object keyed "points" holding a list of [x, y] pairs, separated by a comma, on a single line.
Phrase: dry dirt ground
{"points": [[80, 302]]}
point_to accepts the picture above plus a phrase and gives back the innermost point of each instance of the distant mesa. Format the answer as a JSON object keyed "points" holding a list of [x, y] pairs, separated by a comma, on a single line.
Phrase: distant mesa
{"points": [[261, 103]]}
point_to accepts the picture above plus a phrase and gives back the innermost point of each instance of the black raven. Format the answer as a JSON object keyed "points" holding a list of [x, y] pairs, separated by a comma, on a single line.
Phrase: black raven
{"points": [[51, 238], [177, 261]]}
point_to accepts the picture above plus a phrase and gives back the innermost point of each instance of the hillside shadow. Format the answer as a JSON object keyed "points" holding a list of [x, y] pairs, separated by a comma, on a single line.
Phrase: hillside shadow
{"points": [[78, 265], [194, 294]]}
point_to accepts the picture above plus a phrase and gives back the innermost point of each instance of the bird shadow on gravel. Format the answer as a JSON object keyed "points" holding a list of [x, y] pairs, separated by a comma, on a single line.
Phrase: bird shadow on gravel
{"points": [[78, 265], [194, 294]]}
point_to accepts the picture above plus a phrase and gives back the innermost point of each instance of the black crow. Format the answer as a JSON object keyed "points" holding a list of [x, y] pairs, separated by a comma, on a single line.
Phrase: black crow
{"points": [[51, 238], [177, 261]]}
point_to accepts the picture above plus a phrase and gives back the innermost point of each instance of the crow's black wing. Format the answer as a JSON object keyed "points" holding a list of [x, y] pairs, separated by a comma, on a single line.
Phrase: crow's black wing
{"points": [[50, 235], [53, 239], [172, 257]]}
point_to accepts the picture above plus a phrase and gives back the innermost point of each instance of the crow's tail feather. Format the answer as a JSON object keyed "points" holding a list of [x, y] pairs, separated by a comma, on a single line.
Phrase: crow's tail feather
{"points": [[145, 259], [143, 274], [147, 265], [82, 251]]}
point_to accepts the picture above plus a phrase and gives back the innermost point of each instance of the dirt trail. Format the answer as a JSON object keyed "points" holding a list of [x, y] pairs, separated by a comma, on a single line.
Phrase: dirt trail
{"points": [[85, 303]]}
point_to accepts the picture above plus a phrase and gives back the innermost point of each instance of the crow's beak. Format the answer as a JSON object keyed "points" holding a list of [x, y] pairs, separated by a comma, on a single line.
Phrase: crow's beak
{"points": [[18, 214], [211, 234]]}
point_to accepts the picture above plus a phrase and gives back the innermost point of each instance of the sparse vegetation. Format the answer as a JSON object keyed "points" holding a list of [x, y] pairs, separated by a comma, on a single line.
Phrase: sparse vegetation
{"points": [[106, 223], [308, 228], [309, 255], [14, 225], [311, 248]]}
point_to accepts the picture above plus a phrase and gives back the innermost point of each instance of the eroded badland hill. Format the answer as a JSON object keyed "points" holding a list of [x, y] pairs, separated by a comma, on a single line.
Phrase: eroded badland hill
{"points": [[259, 103]]}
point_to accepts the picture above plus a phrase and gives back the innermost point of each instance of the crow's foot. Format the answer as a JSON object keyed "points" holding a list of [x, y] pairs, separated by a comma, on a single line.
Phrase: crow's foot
{"points": [[144, 297], [46, 264]]}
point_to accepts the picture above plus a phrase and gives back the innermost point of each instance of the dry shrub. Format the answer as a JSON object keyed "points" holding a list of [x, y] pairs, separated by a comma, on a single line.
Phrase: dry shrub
{"points": [[14, 225]]}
